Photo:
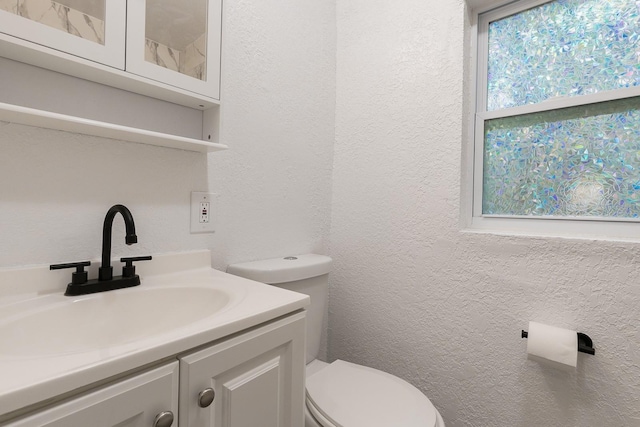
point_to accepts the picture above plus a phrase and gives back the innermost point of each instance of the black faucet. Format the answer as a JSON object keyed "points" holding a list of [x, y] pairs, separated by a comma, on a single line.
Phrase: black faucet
{"points": [[106, 282], [106, 270]]}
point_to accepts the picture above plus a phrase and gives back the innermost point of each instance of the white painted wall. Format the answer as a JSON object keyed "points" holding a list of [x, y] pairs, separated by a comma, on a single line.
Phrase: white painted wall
{"points": [[278, 86], [278, 120], [414, 295], [56, 188]]}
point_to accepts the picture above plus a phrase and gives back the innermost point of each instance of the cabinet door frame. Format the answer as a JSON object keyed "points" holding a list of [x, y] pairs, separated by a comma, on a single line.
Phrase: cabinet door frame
{"points": [[136, 63], [275, 349], [140, 398], [112, 53]]}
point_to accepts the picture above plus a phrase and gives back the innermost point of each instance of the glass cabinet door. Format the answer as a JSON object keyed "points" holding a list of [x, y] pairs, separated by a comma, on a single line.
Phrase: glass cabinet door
{"points": [[91, 29], [176, 42]]}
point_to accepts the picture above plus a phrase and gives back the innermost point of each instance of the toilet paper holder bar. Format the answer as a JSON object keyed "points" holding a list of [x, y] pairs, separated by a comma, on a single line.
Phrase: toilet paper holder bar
{"points": [[585, 344]]}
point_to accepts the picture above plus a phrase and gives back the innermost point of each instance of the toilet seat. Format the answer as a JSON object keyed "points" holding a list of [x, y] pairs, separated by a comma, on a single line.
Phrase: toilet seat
{"points": [[348, 395]]}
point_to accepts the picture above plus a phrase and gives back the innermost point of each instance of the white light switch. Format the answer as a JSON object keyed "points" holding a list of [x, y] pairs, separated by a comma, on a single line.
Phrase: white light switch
{"points": [[203, 207]]}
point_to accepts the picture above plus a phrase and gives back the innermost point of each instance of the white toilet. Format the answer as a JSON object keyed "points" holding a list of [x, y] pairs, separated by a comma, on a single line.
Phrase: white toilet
{"points": [[340, 394]]}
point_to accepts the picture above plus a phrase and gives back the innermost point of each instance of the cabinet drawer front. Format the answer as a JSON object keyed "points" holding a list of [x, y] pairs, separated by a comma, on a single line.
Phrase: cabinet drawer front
{"points": [[48, 23], [134, 402], [258, 379]]}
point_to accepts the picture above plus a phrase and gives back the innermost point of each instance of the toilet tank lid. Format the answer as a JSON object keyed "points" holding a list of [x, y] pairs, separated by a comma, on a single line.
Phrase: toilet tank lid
{"points": [[282, 270]]}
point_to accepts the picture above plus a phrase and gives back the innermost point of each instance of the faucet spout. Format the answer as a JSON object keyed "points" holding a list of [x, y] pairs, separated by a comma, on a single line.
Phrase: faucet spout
{"points": [[106, 270]]}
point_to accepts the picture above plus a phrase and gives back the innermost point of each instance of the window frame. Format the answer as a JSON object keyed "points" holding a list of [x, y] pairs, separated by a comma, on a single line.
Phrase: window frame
{"points": [[592, 227]]}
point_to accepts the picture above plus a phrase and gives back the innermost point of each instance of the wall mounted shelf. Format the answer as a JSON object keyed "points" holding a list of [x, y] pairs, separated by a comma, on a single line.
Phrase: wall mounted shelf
{"points": [[48, 120]]}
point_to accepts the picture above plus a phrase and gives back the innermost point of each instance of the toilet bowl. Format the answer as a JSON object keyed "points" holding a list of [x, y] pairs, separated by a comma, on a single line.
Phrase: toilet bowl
{"points": [[340, 394], [343, 394]]}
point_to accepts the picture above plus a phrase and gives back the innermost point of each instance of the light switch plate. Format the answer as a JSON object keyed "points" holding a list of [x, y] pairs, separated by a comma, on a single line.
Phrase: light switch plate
{"points": [[203, 212]]}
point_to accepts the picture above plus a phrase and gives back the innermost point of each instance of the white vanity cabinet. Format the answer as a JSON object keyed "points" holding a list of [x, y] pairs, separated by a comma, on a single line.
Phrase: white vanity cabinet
{"points": [[151, 47], [255, 379], [135, 402]]}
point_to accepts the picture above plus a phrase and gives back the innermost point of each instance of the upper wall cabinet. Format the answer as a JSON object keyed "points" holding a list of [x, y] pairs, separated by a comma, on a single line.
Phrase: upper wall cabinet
{"points": [[91, 29], [176, 42], [168, 49]]}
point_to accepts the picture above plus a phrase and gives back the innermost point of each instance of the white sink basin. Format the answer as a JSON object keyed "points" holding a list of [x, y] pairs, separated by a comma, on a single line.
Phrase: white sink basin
{"points": [[51, 344], [68, 325]]}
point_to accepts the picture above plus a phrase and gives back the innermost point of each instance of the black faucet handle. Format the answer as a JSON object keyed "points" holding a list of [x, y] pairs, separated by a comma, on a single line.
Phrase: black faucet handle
{"points": [[79, 276], [129, 270]]}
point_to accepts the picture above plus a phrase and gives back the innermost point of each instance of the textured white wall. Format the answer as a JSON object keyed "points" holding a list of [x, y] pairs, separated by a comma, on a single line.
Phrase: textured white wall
{"points": [[279, 122], [413, 295], [278, 84]]}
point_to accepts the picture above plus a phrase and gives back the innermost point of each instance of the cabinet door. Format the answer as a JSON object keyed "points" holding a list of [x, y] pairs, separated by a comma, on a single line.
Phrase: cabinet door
{"points": [[134, 402], [91, 29], [257, 379], [176, 42]]}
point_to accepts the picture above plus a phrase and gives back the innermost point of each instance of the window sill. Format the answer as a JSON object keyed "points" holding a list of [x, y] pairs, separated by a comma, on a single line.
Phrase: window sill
{"points": [[556, 229]]}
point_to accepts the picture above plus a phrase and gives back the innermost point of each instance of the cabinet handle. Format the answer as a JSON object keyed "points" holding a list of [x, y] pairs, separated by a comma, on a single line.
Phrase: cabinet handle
{"points": [[80, 276], [205, 398], [163, 419]]}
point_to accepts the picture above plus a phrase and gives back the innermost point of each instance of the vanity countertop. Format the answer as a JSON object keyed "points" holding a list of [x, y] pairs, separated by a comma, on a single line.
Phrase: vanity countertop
{"points": [[69, 355]]}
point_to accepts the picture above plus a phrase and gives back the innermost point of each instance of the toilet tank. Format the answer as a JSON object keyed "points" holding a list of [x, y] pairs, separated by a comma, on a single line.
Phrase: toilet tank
{"points": [[307, 274]]}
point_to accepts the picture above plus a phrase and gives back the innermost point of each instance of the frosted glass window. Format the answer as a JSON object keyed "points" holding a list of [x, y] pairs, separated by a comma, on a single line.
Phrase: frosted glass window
{"points": [[557, 133], [578, 161], [563, 48]]}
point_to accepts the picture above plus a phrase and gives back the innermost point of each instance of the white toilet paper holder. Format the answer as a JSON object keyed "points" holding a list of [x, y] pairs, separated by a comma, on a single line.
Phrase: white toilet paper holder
{"points": [[585, 344]]}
